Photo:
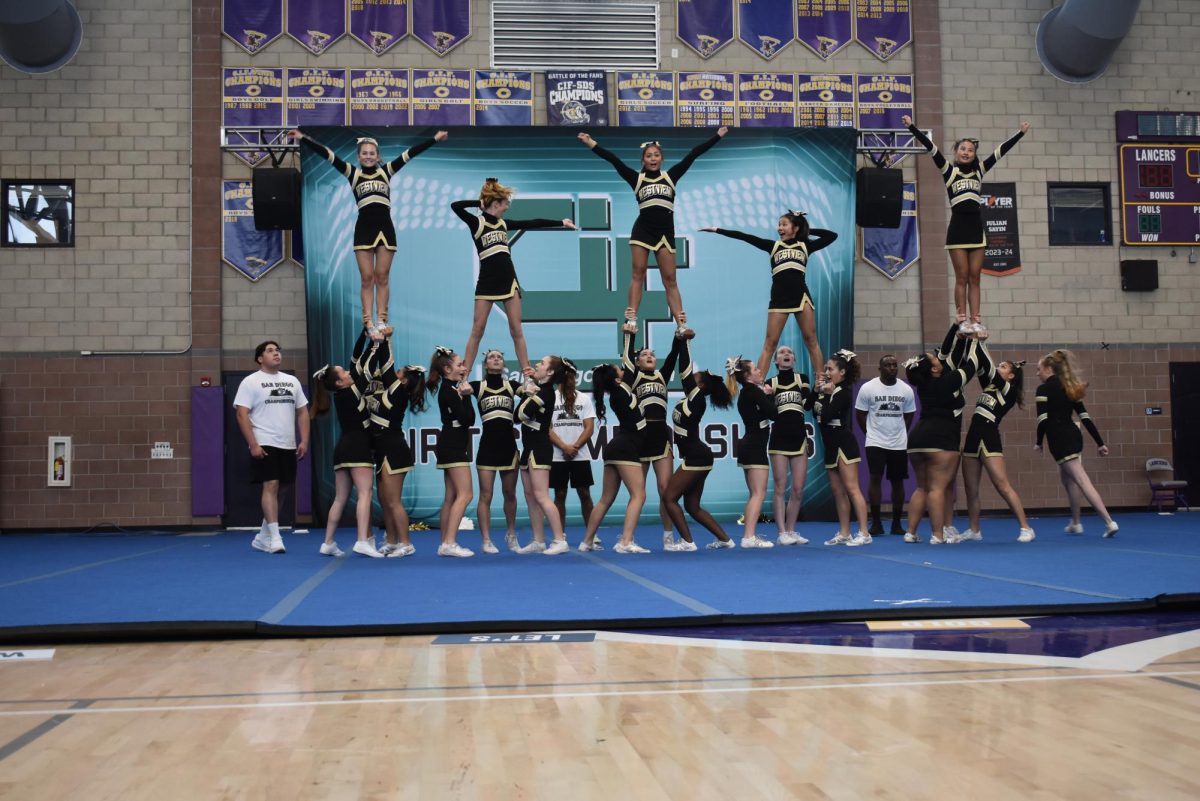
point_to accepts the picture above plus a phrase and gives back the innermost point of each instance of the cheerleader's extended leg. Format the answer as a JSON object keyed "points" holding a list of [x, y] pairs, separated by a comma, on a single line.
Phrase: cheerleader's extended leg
{"points": [[383, 271], [775, 323], [691, 502], [512, 310], [666, 272], [960, 261], [366, 272], [807, 318], [478, 325]]}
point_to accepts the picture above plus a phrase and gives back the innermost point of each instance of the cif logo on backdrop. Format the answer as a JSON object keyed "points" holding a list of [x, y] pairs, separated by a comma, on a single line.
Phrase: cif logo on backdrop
{"points": [[380, 41], [707, 45], [768, 45], [443, 41], [885, 47], [575, 113], [253, 39], [825, 46], [318, 41]]}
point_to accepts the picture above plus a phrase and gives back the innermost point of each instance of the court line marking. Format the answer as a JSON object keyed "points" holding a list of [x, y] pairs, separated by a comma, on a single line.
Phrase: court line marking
{"points": [[1190, 685], [45, 727], [88, 566], [446, 699], [1158, 553], [1136, 655], [294, 598], [654, 587]]}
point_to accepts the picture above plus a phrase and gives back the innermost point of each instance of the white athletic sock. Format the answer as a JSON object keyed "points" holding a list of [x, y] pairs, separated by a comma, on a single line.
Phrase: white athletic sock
{"points": [[273, 528]]}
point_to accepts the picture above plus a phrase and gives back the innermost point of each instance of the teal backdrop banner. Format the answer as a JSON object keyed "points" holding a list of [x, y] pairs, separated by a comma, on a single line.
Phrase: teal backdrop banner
{"points": [[575, 282]]}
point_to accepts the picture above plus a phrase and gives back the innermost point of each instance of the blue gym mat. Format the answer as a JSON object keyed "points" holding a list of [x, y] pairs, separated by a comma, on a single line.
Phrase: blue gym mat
{"points": [[74, 586]]}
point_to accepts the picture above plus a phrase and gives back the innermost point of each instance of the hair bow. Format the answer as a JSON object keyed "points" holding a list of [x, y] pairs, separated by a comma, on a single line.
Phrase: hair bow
{"points": [[1018, 364], [366, 140], [413, 368], [913, 362], [490, 351], [442, 350], [491, 180], [797, 213], [651, 143], [570, 365], [731, 364], [317, 376], [846, 355]]}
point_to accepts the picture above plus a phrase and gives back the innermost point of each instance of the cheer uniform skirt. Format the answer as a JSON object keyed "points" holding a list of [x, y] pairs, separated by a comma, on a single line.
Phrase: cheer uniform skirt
{"points": [[656, 441], [934, 434], [539, 450], [497, 451], [624, 448], [353, 449], [391, 451], [374, 228], [497, 280], [789, 438], [840, 447], [789, 292], [983, 439], [694, 453], [453, 447], [1066, 443], [653, 235], [752, 450], [965, 230]]}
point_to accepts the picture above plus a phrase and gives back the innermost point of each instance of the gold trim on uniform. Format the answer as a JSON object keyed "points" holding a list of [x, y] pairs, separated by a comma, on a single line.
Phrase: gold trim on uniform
{"points": [[516, 288], [344, 465], [841, 458], [515, 461], [622, 461], [662, 243], [380, 239], [391, 472], [806, 302], [685, 466], [802, 452], [453, 464], [666, 454]]}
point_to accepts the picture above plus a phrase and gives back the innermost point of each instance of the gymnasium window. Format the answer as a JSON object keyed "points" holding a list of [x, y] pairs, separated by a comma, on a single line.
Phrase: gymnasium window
{"points": [[38, 213], [560, 34], [1080, 214]]}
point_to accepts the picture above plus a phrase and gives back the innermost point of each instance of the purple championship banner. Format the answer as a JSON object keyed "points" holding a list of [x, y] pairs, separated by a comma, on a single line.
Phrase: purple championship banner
{"points": [[824, 26], [766, 26], [316, 96], [251, 98], [503, 98], [1160, 194], [378, 24], [1002, 256], [704, 25], [441, 25], [249, 251], [379, 97], [825, 101], [883, 100], [577, 98], [894, 250], [883, 26], [706, 99], [645, 99], [316, 24], [253, 24], [766, 99], [441, 97]]}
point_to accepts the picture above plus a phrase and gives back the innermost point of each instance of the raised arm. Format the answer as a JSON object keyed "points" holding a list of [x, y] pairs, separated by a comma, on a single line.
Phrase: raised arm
{"points": [[629, 174], [383, 362], [358, 364], [1004, 147], [393, 166], [680, 362], [525, 225], [749, 239], [327, 154], [627, 352], [985, 368], [459, 207], [938, 159], [1086, 419], [696, 152], [819, 239]]}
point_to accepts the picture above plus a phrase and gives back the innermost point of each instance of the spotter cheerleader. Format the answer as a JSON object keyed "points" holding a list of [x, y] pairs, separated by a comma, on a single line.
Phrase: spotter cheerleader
{"points": [[789, 288], [497, 399], [352, 460], [833, 409], [654, 229], [1058, 398], [535, 414], [757, 410], [688, 481], [497, 276], [965, 238], [374, 234], [788, 447], [446, 373]]}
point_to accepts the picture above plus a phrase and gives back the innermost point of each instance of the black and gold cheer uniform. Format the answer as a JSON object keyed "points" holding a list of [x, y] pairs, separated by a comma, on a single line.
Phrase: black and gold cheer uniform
{"points": [[392, 453], [940, 425], [964, 185], [793, 396], [535, 414], [650, 389], [1054, 411], [373, 193], [497, 275], [757, 410], [458, 415], [833, 412], [686, 416], [353, 447], [654, 227], [789, 265], [496, 396], [625, 447], [998, 398]]}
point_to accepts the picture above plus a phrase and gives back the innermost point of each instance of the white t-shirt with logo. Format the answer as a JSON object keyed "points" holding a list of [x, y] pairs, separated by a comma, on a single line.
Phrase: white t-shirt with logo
{"points": [[273, 400], [885, 407], [569, 429]]}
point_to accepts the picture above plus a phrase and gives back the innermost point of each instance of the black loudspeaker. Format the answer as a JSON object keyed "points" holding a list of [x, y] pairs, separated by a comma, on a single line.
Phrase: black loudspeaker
{"points": [[1139, 275], [880, 197], [276, 194]]}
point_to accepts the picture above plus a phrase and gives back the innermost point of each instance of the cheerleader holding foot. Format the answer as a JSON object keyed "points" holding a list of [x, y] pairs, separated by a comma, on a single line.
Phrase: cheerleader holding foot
{"points": [[497, 276], [374, 234], [788, 447], [757, 410], [446, 372], [1058, 398], [833, 410], [654, 229], [933, 446], [700, 388], [1002, 390], [535, 414], [622, 457], [496, 396], [965, 238], [352, 462], [401, 390], [789, 289]]}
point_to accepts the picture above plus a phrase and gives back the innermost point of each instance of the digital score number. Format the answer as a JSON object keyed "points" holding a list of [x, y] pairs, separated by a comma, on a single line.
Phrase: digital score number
{"points": [[1156, 176]]}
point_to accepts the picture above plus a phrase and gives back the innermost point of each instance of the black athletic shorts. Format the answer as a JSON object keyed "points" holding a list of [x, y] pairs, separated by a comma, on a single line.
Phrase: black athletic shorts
{"points": [[278, 465], [893, 465], [577, 473]]}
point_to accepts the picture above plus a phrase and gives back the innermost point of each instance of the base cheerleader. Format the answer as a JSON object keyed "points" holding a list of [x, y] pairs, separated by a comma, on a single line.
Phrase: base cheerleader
{"points": [[535, 414], [497, 457], [788, 448], [833, 410], [446, 373]]}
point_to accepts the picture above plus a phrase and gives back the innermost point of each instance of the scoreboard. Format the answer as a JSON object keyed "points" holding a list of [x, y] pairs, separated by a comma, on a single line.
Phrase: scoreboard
{"points": [[1160, 194]]}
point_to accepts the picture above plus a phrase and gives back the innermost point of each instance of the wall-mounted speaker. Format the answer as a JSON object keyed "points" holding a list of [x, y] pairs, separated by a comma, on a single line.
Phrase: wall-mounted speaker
{"points": [[1139, 275], [879, 197], [276, 194]]}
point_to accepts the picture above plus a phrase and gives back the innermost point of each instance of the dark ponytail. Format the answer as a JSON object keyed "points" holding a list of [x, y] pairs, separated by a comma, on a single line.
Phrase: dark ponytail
{"points": [[604, 381]]}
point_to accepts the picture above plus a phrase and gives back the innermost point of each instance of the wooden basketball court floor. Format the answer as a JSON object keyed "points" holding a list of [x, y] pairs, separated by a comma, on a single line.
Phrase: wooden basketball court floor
{"points": [[624, 716]]}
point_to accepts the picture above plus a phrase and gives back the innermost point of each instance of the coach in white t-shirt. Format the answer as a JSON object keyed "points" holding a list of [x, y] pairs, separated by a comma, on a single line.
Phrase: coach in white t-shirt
{"points": [[885, 409], [270, 406], [570, 434]]}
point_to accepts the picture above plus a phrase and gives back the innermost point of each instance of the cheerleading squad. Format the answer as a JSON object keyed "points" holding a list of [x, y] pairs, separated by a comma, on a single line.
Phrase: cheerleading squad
{"points": [[371, 394]]}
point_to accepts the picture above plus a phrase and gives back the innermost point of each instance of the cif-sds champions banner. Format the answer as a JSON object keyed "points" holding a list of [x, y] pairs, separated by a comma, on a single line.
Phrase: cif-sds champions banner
{"points": [[575, 282]]}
